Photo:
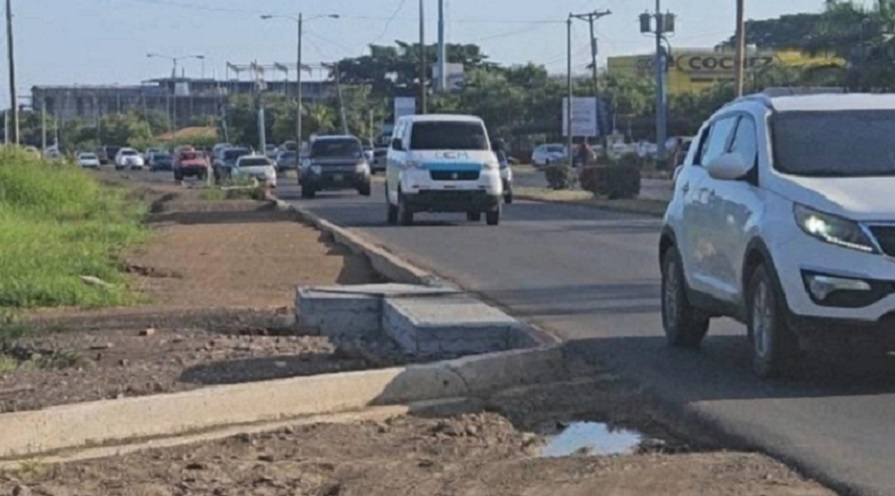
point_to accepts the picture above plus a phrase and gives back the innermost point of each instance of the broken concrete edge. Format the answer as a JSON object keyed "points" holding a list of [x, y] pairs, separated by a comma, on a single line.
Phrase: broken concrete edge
{"points": [[383, 262], [83, 425]]}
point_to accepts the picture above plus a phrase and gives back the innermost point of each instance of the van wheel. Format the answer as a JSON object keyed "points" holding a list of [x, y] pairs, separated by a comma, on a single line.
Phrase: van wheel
{"points": [[392, 214], [685, 326], [775, 347], [492, 217], [365, 189], [405, 215], [474, 216]]}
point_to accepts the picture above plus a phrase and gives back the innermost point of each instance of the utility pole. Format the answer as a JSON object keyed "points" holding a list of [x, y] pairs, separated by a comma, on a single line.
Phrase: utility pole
{"points": [[341, 100], [569, 141], [423, 103], [43, 123], [664, 24], [13, 98], [298, 92], [441, 84], [592, 17], [740, 59]]}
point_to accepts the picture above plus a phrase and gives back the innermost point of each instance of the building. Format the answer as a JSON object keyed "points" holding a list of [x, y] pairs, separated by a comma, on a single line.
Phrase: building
{"points": [[181, 98], [697, 69]]}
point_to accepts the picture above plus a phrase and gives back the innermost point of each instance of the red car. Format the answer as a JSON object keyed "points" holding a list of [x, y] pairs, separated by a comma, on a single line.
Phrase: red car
{"points": [[190, 163]]}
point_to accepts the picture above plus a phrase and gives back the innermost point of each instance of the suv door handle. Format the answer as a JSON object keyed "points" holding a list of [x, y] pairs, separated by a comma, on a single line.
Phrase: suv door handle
{"points": [[685, 188]]}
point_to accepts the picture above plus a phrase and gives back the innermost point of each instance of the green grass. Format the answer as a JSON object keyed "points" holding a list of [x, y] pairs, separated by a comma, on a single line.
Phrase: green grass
{"points": [[57, 224]]}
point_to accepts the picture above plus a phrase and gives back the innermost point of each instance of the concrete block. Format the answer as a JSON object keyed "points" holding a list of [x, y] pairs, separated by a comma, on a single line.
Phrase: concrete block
{"points": [[352, 315], [446, 324]]}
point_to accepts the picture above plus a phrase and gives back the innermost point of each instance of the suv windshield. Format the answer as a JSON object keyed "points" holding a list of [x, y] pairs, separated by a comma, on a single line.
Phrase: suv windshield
{"points": [[556, 149], [254, 162], [448, 136], [850, 143], [336, 148]]}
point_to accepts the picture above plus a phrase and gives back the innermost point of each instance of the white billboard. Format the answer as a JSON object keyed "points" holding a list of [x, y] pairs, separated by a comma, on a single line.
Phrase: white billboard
{"points": [[584, 117], [404, 105]]}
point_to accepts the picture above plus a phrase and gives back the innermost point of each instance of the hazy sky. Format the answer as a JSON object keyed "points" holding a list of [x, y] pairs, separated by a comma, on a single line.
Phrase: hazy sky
{"points": [[106, 41]]}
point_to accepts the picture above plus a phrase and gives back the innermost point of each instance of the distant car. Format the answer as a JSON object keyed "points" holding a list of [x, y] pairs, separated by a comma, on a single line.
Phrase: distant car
{"points": [[369, 153], [287, 160], [290, 146], [190, 163], [161, 161], [270, 151], [257, 167], [88, 160], [545, 155], [335, 163], [128, 158], [380, 152], [226, 161], [110, 152], [147, 155], [102, 156]]}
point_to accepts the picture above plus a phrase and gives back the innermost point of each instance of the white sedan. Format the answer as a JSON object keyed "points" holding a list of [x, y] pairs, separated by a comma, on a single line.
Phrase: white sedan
{"points": [[257, 167], [548, 155], [128, 157], [88, 160]]}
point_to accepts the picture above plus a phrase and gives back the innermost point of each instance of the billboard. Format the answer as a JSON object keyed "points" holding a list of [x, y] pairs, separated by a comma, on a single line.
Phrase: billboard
{"points": [[693, 70], [454, 75], [584, 117], [404, 105]]}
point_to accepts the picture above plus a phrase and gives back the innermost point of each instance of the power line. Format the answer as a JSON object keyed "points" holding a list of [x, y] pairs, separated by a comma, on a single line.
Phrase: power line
{"points": [[388, 22]]}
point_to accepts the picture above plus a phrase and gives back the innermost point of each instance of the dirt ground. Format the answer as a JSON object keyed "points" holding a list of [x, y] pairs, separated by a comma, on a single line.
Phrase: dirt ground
{"points": [[218, 282], [480, 454]]}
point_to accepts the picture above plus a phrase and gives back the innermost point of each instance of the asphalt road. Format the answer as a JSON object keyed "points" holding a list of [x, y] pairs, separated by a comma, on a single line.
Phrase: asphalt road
{"points": [[593, 276]]}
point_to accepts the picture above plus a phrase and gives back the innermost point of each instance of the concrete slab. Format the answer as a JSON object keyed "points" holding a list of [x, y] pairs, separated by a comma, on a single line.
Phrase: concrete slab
{"points": [[447, 324], [352, 311], [351, 315]]}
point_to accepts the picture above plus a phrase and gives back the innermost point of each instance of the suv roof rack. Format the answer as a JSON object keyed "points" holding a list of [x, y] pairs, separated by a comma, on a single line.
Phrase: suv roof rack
{"points": [[768, 94]]}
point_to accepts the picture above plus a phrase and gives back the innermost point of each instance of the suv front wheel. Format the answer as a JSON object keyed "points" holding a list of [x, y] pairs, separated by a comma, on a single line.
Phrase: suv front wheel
{"points": [[685, 326], [775, 347]]}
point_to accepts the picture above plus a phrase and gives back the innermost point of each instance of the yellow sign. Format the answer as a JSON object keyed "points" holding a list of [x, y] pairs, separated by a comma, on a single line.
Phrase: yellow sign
{"points": [[696, 70]]}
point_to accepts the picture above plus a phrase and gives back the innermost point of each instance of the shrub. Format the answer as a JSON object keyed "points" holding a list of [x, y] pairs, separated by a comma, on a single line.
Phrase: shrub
{"points": [[631, 160], [614, 181], [559, 176]]}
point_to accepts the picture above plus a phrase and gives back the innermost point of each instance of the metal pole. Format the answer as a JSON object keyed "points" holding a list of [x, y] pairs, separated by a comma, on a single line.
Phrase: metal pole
{"points": [[423, 103], [174, 103], [569, 142], [660, 91], [43, 123], [593, 57], [341, 101], [13, 98], [441, 84], [298, 115], [739, 63]]}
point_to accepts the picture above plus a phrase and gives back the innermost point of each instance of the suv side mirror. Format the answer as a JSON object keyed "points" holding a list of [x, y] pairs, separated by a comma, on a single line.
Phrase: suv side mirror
{"points": [[729, 167], [397, 144]]}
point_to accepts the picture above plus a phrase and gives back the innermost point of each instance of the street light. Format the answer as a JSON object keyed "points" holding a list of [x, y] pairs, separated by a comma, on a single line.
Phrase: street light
{"points": [[172, 111], [299, 21]]}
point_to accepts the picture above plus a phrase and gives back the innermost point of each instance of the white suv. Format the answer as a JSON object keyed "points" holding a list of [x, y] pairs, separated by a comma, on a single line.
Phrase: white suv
{"points": [[783, 217]]}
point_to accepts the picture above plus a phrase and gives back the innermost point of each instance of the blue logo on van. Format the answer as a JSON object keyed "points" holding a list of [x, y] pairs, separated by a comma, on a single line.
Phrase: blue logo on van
{"points": [[452, 166]]}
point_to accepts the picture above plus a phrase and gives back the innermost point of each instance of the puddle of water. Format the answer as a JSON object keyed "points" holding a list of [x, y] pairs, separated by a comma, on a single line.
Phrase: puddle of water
{"points": [[596, 438]]}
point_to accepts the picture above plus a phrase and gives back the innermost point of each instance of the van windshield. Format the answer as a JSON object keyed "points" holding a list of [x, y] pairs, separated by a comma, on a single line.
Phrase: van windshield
{"points": [[448, 136]]}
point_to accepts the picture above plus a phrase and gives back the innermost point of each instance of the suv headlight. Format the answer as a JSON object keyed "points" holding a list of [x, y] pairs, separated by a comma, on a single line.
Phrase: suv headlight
{"points": [[362, 167], [832, 229]]}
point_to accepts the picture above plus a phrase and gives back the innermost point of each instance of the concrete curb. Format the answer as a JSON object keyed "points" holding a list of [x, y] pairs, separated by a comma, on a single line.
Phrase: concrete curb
{"points": [[384, 262], [77, 426]]}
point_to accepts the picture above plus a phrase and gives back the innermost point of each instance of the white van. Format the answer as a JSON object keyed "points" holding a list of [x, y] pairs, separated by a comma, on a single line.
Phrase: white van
{"points": [[442, 163]]}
